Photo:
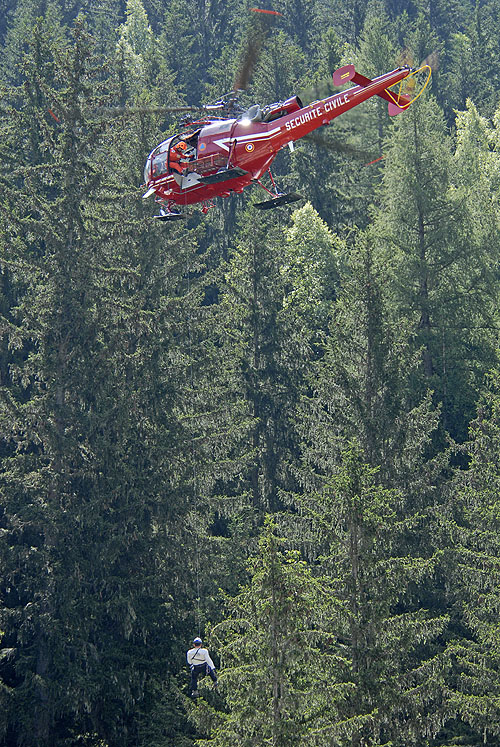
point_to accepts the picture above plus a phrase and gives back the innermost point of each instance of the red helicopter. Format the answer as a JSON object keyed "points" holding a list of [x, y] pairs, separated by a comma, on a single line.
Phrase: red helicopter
{"points": [[223, 155]]}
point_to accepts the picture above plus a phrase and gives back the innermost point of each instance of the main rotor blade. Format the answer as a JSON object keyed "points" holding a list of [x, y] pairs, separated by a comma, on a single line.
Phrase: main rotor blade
{"points": [[320, 90], [269, 12], [337, 146], [255, 41], [114, 111]]}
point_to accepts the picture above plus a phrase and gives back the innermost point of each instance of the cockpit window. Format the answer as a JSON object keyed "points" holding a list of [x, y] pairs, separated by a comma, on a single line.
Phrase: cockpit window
{"points": [[157, 163]]}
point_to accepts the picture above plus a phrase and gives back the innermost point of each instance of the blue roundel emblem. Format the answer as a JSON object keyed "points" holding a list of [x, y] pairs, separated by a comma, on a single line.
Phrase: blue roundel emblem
{"points": [[202, 146]]}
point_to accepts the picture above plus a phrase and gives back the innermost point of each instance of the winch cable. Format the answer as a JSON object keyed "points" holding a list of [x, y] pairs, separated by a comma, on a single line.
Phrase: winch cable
{"points": [[193, 461]]}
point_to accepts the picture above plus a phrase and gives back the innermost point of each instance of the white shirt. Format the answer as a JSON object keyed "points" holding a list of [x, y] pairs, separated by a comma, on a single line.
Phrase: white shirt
{"points": [[199, 656]]}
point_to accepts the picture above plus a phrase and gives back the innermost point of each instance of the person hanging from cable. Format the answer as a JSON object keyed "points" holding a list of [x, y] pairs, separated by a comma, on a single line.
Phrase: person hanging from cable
{"points": [[199, 662]]}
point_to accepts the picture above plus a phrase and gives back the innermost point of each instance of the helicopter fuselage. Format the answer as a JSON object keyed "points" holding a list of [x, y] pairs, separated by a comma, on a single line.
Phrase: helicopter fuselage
{"points": [[230, 154]]}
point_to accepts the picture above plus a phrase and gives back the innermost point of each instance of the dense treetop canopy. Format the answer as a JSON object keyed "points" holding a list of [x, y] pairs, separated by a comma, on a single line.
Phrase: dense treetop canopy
{"points": [[277, 430]]}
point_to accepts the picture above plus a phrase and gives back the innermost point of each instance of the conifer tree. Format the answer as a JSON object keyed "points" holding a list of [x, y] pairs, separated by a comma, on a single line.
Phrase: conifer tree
{"points": [[459, 75], [370, 499], [346, 19], [273, 304], [194, 35], [438, 274], [19, 33], [469, 529], [281, 69], [95, 474], [390, 641], [362, 386], [376, 52], [483, 33], [135, 48], [444, 16], [277, 679]]}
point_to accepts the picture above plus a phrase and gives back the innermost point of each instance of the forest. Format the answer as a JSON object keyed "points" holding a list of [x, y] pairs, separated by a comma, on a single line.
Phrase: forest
{"points": [[277, 430]]}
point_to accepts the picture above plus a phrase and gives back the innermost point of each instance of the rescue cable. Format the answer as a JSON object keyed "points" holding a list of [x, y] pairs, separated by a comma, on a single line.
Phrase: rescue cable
{"points": [[193, 461]]}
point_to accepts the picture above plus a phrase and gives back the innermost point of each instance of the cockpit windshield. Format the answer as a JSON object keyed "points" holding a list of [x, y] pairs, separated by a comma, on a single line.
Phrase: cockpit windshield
{"points": [[157, 163]]}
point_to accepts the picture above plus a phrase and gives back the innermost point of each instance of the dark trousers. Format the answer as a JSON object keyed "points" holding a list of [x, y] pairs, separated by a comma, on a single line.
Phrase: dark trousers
{"points": [[196, 670]]}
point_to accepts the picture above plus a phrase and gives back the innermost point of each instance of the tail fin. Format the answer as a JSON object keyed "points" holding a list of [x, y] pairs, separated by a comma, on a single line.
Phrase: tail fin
{"points": [[394, 109]]}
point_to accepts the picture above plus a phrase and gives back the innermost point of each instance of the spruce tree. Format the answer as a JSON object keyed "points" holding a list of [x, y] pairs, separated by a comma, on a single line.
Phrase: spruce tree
{"points": [[273, 306], [96, 464], [365, 510], [437, 274], [469, 528], [362, 387], [390, 640], [277, 680]]}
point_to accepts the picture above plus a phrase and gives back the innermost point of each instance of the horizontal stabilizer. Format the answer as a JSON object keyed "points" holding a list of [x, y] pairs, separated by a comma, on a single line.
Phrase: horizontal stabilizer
{"points": [[343, 75]]}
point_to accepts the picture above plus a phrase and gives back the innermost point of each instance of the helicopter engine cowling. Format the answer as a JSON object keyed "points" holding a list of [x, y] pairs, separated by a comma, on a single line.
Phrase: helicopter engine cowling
{"points": [[274, 111], [293, 104]]}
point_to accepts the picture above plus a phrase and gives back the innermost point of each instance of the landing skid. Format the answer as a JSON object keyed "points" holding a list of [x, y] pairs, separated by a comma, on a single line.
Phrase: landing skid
{"points": [[223, 175], [170, 216], [278, 200]]}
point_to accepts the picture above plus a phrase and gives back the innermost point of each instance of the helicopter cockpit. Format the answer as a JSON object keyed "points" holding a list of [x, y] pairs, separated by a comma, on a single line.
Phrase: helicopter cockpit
{"points": [[171, 155]]}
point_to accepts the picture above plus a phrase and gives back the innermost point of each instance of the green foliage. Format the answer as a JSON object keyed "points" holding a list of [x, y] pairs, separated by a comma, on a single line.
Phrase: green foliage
{"points": [[363, 386], [94, 478], [470, 532], [275, 680], [362, 535], [19, 35], [164, 387], [135, 46], [439, 275], [273, 307]]}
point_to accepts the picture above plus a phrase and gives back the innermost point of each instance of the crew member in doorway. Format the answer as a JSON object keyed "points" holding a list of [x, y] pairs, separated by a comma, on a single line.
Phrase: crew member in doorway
{"points": [[199, 662], [180, 155]]}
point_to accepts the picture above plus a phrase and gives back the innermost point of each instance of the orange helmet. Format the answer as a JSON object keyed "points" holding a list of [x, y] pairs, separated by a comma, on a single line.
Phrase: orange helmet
{"points": [[177, 151]]}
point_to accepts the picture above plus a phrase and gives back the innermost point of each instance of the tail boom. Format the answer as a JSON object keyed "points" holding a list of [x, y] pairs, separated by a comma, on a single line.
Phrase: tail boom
{"points": [[296, 125]]}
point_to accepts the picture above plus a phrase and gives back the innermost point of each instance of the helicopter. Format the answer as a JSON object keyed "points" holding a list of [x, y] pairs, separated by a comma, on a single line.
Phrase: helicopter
{"points": [[219, 156]]}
